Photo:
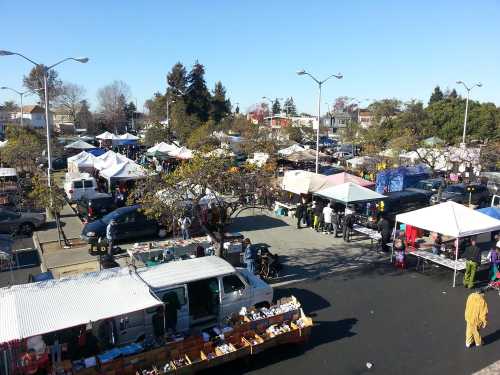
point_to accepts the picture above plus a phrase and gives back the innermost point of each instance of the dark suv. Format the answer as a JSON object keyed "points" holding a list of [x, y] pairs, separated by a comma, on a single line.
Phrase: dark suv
{"points": [[96, 207], [462, 193]]}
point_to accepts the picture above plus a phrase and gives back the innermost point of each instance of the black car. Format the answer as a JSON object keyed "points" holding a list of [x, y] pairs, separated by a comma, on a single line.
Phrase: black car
{"points": [[463, 193], [130, 224], [96, 207]]}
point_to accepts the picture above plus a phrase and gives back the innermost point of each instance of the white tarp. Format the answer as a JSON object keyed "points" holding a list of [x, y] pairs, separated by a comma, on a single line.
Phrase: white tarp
{"points": [[109, 159], [290, 150], [124, 171], [304, 182], [107, 135], [361, 160], [350, 192], [80, 145], [451, 219], [163, 147], [33, 309]]}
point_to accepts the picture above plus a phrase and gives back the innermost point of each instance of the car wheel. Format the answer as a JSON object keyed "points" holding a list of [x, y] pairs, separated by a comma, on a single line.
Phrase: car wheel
{"points": [[26, 228], [162, 232]]}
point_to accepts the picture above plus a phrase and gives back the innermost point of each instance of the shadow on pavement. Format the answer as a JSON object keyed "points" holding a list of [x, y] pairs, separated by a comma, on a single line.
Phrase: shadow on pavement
{"points": [[492, 337], [258, 222], [310, 301]]}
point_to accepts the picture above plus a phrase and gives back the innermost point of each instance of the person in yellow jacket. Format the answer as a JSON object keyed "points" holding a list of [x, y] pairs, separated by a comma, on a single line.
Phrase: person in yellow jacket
{"points": [[476, 312]]}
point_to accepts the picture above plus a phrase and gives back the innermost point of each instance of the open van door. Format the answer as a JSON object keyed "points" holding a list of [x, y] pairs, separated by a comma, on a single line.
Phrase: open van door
{"points": [[176, 307], [235, 294]]}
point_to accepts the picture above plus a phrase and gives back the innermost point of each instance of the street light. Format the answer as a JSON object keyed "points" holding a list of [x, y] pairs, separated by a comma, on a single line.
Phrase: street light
{"points": [[320, 83], [46, 70], [479, 84], [21, 95]]}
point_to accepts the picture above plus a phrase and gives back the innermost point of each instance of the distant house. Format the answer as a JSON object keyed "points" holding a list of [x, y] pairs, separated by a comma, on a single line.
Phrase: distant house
{"points": [[5, 118], [63, 122], [34, 116], [365, 118]]}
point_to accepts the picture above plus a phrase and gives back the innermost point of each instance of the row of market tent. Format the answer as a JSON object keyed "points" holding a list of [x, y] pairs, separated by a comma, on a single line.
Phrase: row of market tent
{"points": [[116, 140]]}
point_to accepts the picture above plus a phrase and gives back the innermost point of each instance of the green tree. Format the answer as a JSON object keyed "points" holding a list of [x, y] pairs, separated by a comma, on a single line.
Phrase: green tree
{"points": [[157, 107], [84, 118], [436, 96], [276, 106], [156, 133], [177, 80], [289, 107], [10, 106], [201, 138], [34, 81], [197, 96], [220, 106], [24, 148]]}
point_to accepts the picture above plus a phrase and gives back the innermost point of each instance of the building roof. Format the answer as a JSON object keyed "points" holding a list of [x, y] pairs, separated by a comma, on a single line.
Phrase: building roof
{"points": [[46, 306], [174, 273], [33, 109]]}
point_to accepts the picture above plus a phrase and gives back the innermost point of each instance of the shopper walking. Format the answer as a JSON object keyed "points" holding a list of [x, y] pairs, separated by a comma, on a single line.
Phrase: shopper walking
{"points": [[494, 258], [300, 213], [185, 223], [249, 256], [348, 224], [476, 313], [384, 229], [111, 236], [327, 217], [317, 211], [472, 257]]}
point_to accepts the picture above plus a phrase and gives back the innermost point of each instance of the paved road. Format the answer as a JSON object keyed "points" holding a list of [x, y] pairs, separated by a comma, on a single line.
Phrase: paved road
{"points": [[402, 322]]}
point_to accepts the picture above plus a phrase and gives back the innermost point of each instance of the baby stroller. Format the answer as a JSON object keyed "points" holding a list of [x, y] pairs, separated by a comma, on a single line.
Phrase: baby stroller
{"points": [[268, 264]]}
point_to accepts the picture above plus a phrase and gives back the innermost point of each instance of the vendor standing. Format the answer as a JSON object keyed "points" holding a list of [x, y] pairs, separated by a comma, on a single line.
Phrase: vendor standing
{"points": [[472, 257], [249, 256], [111, 235], [384, 229]]}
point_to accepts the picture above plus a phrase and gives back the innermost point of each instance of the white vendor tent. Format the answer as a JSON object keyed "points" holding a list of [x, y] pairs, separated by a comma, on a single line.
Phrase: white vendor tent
{"points": [[82, 162], [163, 147], [451, 219], [290, 150], [128, 137], [79, 145], [182, 153], [349, 192], [34, 309], [360, 161], [124, 171], [107, 135], [304, 182], [109, 159]]}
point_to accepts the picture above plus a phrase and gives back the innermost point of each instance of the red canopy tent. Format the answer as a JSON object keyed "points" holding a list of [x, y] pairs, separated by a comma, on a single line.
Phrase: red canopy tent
{"points": [[343, 177]]}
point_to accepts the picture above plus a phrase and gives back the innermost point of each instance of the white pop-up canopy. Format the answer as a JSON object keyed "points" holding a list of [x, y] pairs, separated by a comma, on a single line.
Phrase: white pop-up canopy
{"points": [[304, 182], [128, 137], [81, 162], [107, 135], [290, 150], [349, 192], [451, 219], [182, 153], [124, 171], [34, 309], [109, 159], [163, 147], [79, 145]]}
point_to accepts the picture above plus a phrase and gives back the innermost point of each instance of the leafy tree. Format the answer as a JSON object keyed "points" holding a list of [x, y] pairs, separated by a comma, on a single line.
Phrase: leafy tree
{"points": [[156, 133], [436, 96], [182, 124], [24, 148], [34, 81], [157, 107], [177, 80], [289, 107], [293, 133], [130, 110], [84, 118], [201, 138], [220, 106], [70, 99], [198, 96], [10, 106], [276, 106]]}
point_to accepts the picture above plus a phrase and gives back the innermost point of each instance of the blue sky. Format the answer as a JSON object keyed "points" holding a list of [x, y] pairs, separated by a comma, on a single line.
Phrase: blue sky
{"points": [[384, 48]]}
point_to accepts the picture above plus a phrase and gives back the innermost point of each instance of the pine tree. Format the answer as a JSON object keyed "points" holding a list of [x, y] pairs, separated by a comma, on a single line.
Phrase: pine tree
{"points": [[84, 118], [436, 96], [198, 96], [177, 80], [289, 107], [276, 106], [220, 106]]}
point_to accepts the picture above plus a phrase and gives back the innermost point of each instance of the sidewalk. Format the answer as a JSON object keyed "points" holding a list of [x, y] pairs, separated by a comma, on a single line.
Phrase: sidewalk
{"points": [[70, 222], [305, 253]]}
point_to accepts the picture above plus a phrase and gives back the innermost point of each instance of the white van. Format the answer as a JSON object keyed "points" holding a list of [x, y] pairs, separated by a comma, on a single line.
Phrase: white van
{"points": [[205, 291], [79, 185]]}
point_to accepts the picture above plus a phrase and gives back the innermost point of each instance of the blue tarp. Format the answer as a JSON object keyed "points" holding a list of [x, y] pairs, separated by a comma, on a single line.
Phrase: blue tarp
{"points": [[398, 179], [97, 151], [494, 212]]}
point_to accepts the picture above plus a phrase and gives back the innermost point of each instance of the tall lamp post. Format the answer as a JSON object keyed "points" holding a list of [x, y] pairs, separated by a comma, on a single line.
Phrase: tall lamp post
{"points": [[46, 70], [479, 84], [21, 95]]}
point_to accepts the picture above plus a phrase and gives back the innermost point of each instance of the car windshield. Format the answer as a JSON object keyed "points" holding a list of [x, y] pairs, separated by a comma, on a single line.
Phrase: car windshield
{"points": [[112, 215], [455, 189]]}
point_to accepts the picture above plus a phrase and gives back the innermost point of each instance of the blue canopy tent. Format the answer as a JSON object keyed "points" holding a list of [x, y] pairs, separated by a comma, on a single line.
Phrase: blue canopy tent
{"points": [[398, 179], [97, 151], [493, 212]]}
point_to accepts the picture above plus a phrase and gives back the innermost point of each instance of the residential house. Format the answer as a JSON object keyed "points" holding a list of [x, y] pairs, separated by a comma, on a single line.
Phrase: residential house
{"points": [[34, 116], [365, 118], [63, 122]]}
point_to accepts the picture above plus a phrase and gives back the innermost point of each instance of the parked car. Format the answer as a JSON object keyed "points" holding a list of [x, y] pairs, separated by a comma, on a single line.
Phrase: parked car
{"points": [[431, 184], [20, 222], [343, 155], [463, 193], [80, 185], [91, 208], [130, 224]]}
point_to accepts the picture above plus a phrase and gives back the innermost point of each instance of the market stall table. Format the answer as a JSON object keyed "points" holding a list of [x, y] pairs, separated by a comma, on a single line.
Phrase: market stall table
{"points": [[459, 264]]}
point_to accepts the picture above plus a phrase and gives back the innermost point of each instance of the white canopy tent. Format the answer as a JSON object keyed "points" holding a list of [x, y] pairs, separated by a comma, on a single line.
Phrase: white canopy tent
{"points": [[349, 192], [124, 171], [451, 219], [290, 150], [304, 182], [107, 135], [79, 145], [128, 137], [109, 159], [82, 162], [182, 153], [34, 309], [163, 147]]}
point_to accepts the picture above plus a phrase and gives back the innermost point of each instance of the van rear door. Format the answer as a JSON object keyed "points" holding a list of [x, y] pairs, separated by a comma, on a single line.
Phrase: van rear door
{"points": [[176, 296], [235, 294]]}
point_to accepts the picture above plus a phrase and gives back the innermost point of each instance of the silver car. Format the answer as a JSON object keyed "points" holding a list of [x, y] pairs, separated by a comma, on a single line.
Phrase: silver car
{"points": [[20, 222]]}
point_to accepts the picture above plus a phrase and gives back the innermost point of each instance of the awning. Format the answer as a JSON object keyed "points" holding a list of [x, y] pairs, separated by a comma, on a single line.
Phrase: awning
{"points": [[350, 192], [124, 171], [107, 135], [109, 159], [79, 145], [304, 182], [343, 177], [33, 309]]}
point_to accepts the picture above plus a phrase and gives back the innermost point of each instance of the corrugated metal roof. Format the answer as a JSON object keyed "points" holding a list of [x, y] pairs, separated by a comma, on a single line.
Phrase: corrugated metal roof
{"points": [[180, 272], [33, 309]]}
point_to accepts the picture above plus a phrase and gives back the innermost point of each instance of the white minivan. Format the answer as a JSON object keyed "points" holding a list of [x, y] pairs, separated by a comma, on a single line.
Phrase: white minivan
{"points": [[79, 185], [203, 290]]}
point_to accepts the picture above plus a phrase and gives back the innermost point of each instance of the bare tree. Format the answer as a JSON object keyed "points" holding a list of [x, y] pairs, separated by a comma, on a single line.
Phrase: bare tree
{"points": [[70, 99], [112, 101]]}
